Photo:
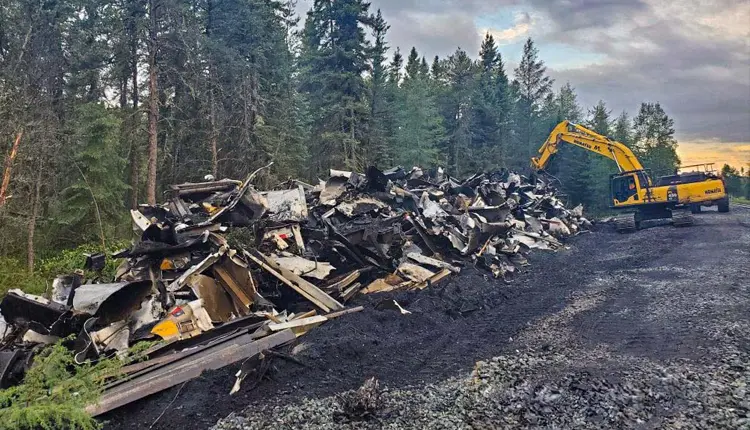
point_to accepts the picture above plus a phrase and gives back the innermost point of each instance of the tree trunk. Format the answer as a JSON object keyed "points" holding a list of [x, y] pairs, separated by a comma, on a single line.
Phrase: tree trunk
{"points": [[33, 217], [153, 107], [214, 139], [8, 166], [135, 118]]}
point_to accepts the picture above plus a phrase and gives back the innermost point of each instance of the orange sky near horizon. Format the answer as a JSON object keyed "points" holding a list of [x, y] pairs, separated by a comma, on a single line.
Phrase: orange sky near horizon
{"points": [[735, 154]]}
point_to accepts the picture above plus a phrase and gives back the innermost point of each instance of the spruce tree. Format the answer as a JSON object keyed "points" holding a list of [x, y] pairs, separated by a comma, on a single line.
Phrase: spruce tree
{"points": [[490, 108], [418, 129], [381, 109], [654, 139], [458, 115], [436, 69], [93, 200], [413, 67], [623, 130], [599, 119], [334, 59], [394, 68], [600, 168], [571, 164], [532, 87]]}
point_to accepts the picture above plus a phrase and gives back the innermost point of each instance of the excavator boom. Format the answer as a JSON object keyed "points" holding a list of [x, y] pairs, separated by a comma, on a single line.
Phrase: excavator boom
{"points": [[578, 135], [632, 189]]}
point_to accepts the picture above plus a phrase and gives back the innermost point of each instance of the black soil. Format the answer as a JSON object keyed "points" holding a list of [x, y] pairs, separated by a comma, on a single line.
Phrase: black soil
{"points": [[474, 317]]}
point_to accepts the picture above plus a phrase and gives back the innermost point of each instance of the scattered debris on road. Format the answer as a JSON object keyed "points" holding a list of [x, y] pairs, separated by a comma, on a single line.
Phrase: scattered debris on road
{"points": [[222, 272]]}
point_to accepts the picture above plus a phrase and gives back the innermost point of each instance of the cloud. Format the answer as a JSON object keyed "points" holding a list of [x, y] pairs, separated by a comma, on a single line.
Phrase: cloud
{"points": [[693, 56], [521, 26], [433, 33], [690, 56]]}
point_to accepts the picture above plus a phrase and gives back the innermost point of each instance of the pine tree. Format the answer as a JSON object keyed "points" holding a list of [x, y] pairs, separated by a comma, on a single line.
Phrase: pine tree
{"points": [[654, 139], [93, 201], [334, 58], [490, 108], [532, 86], [623, 130], [380, 107], [413, 68], [461, 78], [419, 129], [600, 167]]}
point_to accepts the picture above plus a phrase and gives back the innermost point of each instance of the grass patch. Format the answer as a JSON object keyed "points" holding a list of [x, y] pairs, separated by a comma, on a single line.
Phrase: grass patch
{"points": [[741, 200]]}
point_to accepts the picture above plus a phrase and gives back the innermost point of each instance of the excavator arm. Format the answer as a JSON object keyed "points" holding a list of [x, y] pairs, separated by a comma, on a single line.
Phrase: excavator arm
{"points": [[580, 136]]}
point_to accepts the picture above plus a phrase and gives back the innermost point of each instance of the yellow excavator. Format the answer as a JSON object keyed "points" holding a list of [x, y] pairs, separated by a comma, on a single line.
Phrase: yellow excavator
{"points": [[632, 189]]}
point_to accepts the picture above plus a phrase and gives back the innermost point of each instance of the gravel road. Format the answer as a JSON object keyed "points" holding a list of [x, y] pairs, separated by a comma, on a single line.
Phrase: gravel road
{"points": [[644, 330]]}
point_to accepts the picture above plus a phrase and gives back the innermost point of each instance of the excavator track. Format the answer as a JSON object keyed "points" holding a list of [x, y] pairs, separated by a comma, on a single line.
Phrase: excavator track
{"points": [[626, 223], [682, 218]]}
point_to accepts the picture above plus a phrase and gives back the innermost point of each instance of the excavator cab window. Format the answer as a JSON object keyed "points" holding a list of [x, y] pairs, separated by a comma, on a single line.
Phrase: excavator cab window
{"points": [[624, 187], [643, 179]]}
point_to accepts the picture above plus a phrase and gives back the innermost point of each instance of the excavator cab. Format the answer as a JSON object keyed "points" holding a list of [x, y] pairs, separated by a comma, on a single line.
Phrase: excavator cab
{"points": [[629, 188], [623, 188]]}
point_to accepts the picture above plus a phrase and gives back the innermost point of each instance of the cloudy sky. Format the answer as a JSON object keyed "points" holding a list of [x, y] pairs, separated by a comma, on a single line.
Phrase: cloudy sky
{"points": [[693, 56]]}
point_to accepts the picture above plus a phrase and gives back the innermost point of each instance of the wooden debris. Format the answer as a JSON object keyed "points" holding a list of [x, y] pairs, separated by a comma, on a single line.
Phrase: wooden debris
{"points": [[306, 289]]}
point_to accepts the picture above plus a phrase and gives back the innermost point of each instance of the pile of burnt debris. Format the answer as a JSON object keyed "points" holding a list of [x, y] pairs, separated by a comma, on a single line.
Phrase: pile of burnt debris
{"points": [[223, 272]]}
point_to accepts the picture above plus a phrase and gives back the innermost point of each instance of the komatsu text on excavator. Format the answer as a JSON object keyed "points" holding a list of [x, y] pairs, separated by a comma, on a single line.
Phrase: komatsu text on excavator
{"points": [[632, 189]]}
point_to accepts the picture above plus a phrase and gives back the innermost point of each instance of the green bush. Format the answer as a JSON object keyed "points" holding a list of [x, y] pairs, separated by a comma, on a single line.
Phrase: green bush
{"points": [[14, 274], [56, 391], [68, 260]]}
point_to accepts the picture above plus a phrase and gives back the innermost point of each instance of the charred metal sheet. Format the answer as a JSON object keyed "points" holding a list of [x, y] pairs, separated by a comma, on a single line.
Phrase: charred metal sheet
{"points": [[287, 205], [360, 206], [111, 302], [140, 220], [163, 249], [234, 276], [63, 288], [304, 267], [334, 188], [215, 299], [178, 372], [39, 314], [421, 259], [13, 365], [194, 188], [196, 269], [306, 289]]}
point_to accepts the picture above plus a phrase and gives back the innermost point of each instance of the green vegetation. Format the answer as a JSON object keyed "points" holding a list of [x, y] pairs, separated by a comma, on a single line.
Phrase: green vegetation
{"points": [[15, 274], [56, 391], [737, 181], [115, 100]]}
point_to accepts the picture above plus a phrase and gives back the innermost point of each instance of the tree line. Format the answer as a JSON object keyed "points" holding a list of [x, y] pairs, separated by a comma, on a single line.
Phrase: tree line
{"points": [[107, 102]]}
